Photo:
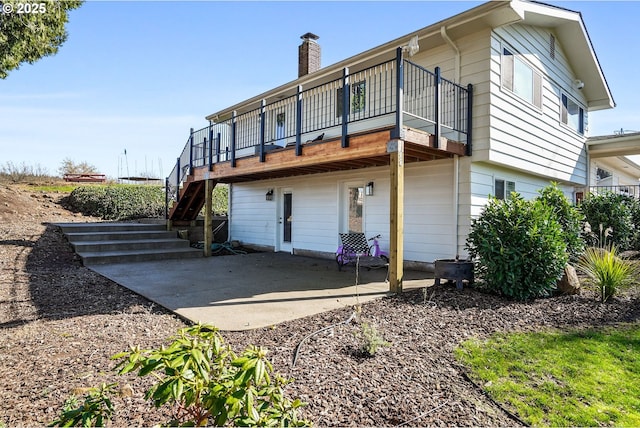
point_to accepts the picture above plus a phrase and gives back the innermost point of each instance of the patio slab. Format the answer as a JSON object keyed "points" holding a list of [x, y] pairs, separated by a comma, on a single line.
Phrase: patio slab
{"points": [[249, 291]]}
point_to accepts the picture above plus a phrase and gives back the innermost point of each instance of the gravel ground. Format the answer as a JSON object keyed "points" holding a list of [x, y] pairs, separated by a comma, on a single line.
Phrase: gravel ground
{"points": [[60, 323]]}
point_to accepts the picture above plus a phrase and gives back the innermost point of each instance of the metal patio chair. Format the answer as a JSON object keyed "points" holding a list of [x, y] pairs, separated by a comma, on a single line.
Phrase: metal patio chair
{"points": [[354, 249]]}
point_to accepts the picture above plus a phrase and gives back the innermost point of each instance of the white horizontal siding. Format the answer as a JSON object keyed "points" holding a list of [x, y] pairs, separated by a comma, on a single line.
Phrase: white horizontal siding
{"points": [[522, 136], [429, 223], [528, 186]]}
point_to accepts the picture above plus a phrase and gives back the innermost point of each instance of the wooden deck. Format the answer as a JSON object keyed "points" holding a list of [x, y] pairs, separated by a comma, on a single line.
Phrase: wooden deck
{"points": [[365, 150]]}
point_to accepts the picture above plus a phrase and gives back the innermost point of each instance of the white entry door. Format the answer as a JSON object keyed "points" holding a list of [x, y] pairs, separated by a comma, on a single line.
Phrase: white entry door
{"points": [[285, 221]]}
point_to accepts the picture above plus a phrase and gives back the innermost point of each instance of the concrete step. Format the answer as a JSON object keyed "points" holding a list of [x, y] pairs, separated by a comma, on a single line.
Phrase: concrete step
{"points": [[103, 243], [108, 257], [129, 235], [128, 245], [109, 227]]}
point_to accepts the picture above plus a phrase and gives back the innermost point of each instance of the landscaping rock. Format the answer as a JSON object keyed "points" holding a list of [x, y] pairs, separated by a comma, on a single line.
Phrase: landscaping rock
{"points": [[569, 283]]}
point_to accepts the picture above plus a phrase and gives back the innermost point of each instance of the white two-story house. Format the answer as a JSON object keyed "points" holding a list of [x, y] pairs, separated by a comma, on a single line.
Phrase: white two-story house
{"points": [[408, 139]]}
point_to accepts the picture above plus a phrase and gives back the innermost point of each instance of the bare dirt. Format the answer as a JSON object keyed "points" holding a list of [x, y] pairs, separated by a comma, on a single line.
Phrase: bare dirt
{"points": [[60, 322]]}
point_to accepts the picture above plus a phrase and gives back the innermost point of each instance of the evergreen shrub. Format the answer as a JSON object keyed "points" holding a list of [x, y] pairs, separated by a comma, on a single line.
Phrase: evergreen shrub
{"points": [[118, 202], [610, 211], [570, 218], [518, 247]]}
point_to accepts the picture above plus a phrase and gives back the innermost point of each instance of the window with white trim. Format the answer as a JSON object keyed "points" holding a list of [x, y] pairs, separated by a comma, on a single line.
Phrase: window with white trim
{"points": [[521, 79], [571, 114], [502, 188]]}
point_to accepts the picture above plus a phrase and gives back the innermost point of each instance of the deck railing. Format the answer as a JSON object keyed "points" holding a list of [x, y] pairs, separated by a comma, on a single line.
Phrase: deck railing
{"points": [[632, 190], [355, 102]]}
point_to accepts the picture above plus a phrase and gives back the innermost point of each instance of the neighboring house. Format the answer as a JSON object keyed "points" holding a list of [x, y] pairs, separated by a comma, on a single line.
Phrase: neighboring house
{"points": [[610, 170], [496, 99]]}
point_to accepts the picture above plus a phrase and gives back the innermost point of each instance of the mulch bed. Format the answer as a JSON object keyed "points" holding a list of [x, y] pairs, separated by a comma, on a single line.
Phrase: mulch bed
{"points": [[60, 322]]}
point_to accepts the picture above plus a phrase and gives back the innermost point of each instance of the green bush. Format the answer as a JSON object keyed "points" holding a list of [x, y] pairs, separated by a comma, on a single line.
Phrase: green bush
{"points": [[518, 248], [610, 211], [118, 202], [202, 381], [570, 218], [207, 384], [607, 272]]}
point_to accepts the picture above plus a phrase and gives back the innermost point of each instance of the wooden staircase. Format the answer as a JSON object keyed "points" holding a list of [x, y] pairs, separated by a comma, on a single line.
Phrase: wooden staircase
{"points": [[190, 203]]}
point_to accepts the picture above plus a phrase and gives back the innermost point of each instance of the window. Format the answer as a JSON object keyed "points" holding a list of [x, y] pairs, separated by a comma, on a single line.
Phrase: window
{"points": [[521, 79], [601, 174], [357, 98], [502, 188], [572, 115], [356, 201]]}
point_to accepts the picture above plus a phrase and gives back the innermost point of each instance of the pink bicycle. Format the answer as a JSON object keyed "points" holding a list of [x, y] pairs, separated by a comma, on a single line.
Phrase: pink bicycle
{"points": [[356, 245]]}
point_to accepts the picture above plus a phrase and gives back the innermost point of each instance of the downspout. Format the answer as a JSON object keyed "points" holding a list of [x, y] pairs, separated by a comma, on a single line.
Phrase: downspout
{"points": [[456, 160], [456, 58]]}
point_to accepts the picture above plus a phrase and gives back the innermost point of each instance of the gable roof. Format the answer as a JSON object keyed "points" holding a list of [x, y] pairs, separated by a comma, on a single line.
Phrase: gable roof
{"points": [[566, 24]]}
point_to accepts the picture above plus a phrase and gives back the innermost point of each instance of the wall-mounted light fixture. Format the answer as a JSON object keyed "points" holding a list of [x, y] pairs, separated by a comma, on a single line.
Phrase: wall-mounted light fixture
{"points": [[368, 189], [269, 195]]}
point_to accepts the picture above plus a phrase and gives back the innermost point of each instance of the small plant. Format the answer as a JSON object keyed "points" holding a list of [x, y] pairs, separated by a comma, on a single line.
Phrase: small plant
{"points": [[369, 339], [607, 272], [207, 384], [95, 410], [602, 239]]}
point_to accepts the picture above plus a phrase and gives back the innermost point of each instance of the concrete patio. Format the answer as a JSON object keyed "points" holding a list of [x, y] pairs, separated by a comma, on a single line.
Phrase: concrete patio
{"points": [[249, 291]]}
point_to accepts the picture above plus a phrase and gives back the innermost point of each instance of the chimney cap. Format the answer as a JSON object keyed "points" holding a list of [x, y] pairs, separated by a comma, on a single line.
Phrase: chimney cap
{"points": [[309, 36]]}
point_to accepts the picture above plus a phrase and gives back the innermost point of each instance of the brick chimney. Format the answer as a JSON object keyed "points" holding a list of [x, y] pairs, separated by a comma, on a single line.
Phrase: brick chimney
{"points": [[308, 54]]}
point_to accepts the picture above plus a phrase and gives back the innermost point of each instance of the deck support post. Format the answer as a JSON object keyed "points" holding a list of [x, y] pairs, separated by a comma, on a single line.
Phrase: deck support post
{"points": [[395, 148], [208, 216]]}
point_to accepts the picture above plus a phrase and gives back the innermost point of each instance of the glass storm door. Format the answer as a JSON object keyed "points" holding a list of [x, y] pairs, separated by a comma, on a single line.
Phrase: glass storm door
{"points": [[353, 209], [285, 221]]}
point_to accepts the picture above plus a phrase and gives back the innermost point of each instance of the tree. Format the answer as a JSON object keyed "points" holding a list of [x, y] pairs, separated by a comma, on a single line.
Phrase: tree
{"points": [[30, 31], [70, 167]]}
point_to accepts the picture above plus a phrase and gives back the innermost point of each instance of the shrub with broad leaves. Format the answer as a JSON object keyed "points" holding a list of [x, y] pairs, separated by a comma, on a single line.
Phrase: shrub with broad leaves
{"points": [[518, 247]]}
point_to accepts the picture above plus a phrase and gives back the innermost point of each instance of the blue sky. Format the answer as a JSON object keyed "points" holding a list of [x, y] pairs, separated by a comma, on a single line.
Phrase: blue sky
{"points": [[136, 76]]}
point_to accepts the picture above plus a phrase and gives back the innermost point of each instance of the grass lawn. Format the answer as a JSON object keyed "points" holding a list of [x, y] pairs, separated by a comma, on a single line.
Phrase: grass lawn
{"points": [[60, 188], [579, 378]]}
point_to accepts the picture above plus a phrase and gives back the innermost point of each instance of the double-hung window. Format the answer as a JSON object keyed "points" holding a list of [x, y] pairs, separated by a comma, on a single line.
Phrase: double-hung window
{"points": [[521, 79], [572, 115]]}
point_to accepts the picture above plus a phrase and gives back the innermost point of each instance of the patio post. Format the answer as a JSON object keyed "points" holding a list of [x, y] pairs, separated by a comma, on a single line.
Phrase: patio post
{"points": [[395, 148]]}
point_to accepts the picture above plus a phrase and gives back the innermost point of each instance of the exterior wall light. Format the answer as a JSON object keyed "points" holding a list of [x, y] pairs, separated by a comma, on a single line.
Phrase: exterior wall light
{"points": [[368, 190], [269, 195]]}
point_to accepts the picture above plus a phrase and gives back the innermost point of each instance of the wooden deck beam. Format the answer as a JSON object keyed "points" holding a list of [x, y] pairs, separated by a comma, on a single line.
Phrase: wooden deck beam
{"points": [[315, 155], [364, 150]]}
